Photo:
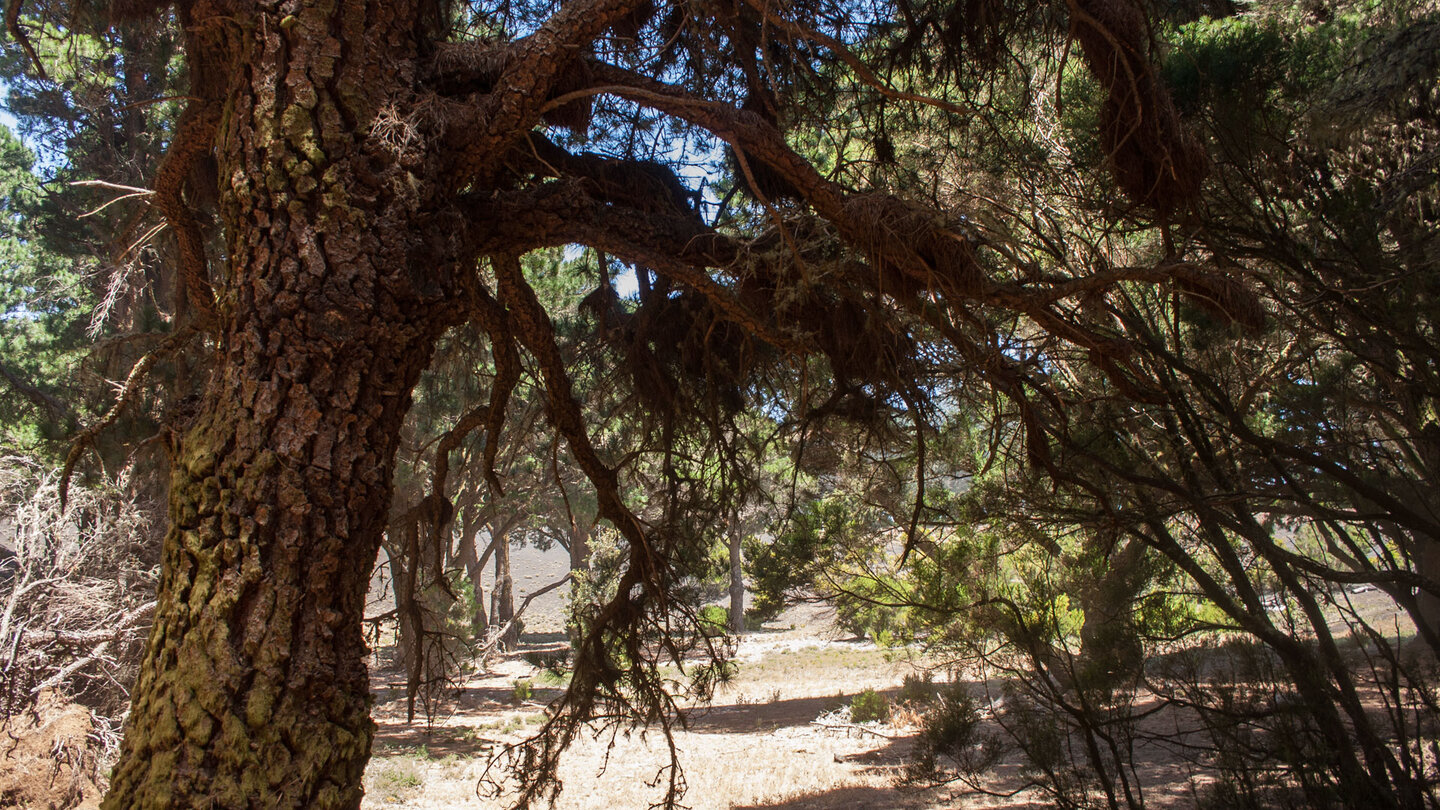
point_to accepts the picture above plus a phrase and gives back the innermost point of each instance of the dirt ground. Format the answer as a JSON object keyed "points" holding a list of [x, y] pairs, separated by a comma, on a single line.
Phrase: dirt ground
{"points": [[46, 761], [757, 745], [770, 739]]}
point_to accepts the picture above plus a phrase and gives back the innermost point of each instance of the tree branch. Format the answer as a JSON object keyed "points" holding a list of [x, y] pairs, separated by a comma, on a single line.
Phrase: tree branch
{"points": [[528, 75], [561, 213]]}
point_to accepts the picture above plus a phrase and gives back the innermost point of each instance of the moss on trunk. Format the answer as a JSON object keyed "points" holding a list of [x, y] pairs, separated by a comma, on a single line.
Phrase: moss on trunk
{"points": [[254, 690]]}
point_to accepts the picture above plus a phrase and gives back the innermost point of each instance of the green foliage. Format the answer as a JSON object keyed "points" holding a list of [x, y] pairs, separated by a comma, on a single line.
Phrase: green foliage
{"points": [[521, 691], [42, 316], [869, 707], [951, 736], [461, 613], [1225, 60], [755, 622], [714, 621], [876, 607], [917, 689], [819, 532]]}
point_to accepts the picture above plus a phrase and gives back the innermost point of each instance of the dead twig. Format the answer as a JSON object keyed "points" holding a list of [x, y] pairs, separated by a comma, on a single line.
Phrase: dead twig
{"points": [[86, 437]]}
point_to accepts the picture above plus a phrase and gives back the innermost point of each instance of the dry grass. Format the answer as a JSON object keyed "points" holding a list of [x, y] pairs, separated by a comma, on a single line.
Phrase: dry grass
{"points": [[755, 745]]}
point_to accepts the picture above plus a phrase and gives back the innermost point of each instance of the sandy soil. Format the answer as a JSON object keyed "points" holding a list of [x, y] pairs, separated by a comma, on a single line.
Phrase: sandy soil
{"points": [[770, 739], [756, 745]]}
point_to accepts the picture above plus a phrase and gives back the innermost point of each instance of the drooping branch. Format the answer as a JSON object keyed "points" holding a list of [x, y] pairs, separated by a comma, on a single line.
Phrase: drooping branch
{"points": [[641, 591], [193, 140], [128, 391], [742, 129], [206, 41], [912, 240], [534, 329], [1154, 159], [491, 415], [679, 246]]}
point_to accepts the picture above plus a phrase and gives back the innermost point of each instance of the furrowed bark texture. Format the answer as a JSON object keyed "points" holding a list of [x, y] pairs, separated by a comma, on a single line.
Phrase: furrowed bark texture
{"points": [[253, 692]]}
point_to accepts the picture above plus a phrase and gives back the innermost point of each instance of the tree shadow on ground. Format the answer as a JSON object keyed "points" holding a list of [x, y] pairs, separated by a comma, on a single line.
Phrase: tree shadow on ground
{"points": [[863, 797], [438, 741], [752, 717]]}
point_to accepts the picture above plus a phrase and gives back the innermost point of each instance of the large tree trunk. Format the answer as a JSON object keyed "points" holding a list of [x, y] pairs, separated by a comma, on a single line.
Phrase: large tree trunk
{"points": [[253, 691]]}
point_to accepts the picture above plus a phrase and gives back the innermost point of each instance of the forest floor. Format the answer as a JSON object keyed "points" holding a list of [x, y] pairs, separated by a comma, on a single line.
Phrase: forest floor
{"points": [[757, 744], [771, 738]]}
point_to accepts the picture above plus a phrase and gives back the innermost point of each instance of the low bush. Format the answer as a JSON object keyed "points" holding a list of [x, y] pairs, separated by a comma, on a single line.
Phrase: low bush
{"points": [[522, 691], [917, 689], [869, 706], [714, 621]]}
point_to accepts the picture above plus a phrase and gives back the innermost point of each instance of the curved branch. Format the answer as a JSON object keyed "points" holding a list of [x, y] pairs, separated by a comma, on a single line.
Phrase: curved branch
{"points": [[911, 239], [494, 320], [562, 213], [128, 391], [742, 129], [12, 24], [193, 140], [530, 71]]}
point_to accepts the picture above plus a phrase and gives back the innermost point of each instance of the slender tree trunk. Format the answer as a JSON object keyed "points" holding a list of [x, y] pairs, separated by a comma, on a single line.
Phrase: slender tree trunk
{"points": [[737, 577], [1429, 603], [406, 633], [253, 691], [579, 548], [474, 569], [502, 595]]}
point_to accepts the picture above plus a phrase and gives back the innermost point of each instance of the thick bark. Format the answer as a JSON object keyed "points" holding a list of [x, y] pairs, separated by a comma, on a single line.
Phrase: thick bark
{"points": [[255, 673], [253, 691]]}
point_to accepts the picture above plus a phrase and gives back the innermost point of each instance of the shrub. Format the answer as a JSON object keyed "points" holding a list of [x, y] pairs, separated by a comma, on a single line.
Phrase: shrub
{"points": [[553, 663], [951, 729], [86, 574], [522, 691], [917, 689], [755, 620], [714, 621], [869, 706]]}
